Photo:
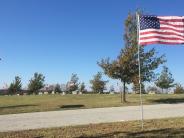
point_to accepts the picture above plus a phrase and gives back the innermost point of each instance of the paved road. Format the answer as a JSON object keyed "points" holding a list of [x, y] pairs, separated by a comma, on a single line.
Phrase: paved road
{"points": [[87, 116]]}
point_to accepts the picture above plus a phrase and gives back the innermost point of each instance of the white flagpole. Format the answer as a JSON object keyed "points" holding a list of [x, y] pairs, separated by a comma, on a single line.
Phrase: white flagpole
{"points": [[140, 86]]}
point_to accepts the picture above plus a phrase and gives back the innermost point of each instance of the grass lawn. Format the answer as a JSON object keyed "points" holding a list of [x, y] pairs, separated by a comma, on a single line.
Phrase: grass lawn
{"points": [[36, 103], [173, 127]]}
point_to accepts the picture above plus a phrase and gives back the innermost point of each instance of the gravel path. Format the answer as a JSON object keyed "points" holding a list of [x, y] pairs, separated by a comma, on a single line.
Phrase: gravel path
{"points": [[14, 122]]}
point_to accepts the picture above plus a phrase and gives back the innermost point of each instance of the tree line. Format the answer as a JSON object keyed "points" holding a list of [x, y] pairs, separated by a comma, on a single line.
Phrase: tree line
{"points": [[37, 83], [164, 81]]}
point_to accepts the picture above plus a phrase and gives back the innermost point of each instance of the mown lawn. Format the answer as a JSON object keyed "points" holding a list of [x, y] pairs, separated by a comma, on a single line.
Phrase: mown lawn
{"points": [[36, 103], [173, 127]]}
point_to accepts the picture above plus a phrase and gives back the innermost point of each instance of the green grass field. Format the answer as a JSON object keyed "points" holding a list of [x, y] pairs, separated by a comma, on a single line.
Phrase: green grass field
{"points": [[36, 103], [173, 127]]}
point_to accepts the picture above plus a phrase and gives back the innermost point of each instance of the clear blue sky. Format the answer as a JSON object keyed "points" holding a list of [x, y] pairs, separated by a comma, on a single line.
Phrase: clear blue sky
{"points": [[61, 37]]}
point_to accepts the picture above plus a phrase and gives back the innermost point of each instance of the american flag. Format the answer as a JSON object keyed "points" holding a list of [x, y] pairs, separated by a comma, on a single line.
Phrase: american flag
{"points": [[161, 29]]}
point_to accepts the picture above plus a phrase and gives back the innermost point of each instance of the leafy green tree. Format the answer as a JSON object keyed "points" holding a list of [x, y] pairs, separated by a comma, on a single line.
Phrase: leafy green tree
{"points": [[11, 89], [73, 84], [57, 88], [82, 87], [98, 85], [36, 83], [125, 66], [165, 80], [15, 86], [119, 69]]}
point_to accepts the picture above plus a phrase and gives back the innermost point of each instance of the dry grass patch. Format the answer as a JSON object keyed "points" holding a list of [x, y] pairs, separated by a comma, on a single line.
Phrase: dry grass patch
{"points": [[173, 127]]}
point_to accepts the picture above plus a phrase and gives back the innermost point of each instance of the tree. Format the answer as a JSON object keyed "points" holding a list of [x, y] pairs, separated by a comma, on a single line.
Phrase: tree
{"points": [[11, 89], [98, 85], [165, 80], [121, 68], [125, 66], [179, 89], [57, 88], [73, 84], [15, 86], [36, 83], [82, 87]]}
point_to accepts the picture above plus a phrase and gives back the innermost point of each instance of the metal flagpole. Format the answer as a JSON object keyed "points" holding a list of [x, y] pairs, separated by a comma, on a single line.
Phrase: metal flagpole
{"points": [[140, 86]]}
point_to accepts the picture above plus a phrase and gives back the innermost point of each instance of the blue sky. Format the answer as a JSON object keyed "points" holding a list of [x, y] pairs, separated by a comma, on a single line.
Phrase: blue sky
{"points": [[61, 37]]}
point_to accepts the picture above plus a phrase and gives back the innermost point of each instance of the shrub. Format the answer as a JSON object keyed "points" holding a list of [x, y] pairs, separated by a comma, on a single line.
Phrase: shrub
{"points": [[179, 89]]}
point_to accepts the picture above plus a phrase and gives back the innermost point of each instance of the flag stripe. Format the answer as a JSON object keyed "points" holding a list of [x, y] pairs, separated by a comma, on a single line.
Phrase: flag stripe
{"points": [[167, 30], [172, 20], [155, 35], [161, 32], [161, 37], [171, 29], [171, 17], [172, 25], [176, 24], [160, 42]]}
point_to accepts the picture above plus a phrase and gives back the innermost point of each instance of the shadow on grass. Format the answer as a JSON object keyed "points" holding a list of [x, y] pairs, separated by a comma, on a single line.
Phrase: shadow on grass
{"points": [[151, 133], [75, 106], [169, 100], [16, 106]]}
